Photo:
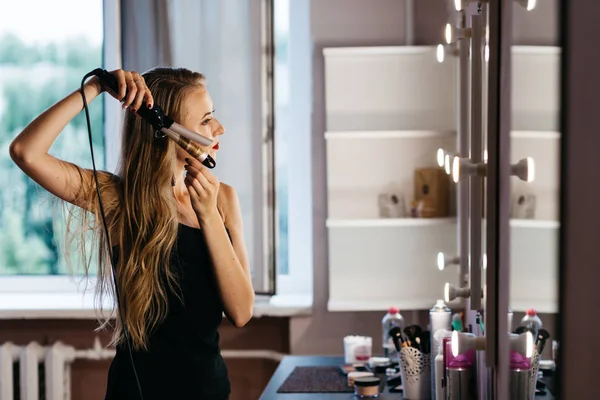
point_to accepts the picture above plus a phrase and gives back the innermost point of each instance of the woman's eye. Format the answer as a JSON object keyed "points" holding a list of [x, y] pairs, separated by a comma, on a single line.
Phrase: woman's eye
{"points": [[206, 122]]}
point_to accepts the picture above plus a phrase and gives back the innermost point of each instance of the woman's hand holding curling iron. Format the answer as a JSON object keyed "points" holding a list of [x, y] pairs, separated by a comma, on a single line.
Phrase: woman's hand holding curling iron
{"points": [[203, 188], [133, 92]]}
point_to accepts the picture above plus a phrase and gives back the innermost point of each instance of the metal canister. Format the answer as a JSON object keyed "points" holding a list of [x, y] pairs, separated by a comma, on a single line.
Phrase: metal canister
{"points": [[461, 384], [520, 385], [440, 318]]}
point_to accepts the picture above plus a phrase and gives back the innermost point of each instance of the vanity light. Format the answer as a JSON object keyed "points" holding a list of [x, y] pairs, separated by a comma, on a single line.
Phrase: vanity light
{"points": [[443, 262], [486, 53], [484, 261], [441, 155], [524, 169], [463, 342], [443, 159], [451, 292], [461, 33], [462, 4], [463, 167], [442, 50], [522, 344]]}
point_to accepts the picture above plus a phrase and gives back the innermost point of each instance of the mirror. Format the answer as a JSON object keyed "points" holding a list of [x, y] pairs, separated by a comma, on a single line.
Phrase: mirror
{"points": [[535, 202], [535, 142]]}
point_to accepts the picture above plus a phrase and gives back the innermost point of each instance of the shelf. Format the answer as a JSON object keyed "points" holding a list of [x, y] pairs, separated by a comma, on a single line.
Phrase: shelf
{"points": [[380, 304], [378, 50], [418, 134], [417, 222], [405, 134], [551, 135], [387, 222], [533, 50], [534, 224]]}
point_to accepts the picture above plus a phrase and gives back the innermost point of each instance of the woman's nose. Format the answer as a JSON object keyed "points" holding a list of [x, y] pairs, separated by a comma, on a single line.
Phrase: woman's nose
{"points": [[219, 130]]}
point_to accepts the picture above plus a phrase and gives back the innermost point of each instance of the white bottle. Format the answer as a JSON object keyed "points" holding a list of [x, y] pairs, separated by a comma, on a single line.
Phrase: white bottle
{"points": [[391, 319], [532, 321]]}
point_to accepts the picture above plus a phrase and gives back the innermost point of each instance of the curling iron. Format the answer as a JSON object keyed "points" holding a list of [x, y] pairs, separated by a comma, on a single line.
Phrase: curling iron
{"points": [[165, 126]]}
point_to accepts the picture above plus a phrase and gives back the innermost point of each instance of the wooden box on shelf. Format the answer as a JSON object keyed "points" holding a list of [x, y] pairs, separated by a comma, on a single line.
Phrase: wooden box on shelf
{"points": [[432, 187]]}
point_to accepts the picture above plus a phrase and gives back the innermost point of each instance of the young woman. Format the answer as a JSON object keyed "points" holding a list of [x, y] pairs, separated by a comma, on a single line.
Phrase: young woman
{"points": [[175, 231]]}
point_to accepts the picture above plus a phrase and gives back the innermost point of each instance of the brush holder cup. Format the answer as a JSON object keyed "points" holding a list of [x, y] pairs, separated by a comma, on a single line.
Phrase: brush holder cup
{"points": [[416, 374], [523, 380]]}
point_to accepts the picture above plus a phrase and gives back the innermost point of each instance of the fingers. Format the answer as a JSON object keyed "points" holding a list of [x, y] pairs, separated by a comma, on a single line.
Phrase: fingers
{"points": [[198, 170], [133, 91], [194, 184], [140, 93], [199, 176], [122, 90]]}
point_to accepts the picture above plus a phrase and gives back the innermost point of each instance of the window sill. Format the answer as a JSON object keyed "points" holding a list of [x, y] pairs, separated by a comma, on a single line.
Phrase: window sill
{"points": [[68, 305]]}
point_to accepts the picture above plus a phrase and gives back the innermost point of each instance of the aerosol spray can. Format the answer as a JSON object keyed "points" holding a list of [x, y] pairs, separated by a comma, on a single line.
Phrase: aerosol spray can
{"points": [[440, 318]]}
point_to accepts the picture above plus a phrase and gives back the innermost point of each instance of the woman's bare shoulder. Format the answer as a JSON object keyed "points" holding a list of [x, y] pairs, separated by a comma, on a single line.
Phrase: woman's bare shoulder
{"points": [[227, 201]]}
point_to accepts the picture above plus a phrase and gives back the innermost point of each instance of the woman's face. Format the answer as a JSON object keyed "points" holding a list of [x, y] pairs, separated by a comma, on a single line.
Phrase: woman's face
{"points": [[197, 115]]}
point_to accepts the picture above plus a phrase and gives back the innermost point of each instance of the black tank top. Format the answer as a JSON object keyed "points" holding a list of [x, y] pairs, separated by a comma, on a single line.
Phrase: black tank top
{"points": [[183, 360]]}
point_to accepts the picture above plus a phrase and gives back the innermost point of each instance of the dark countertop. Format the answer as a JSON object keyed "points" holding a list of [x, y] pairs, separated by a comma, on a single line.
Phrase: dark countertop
{"points": [[288, 364], [286, 367]]}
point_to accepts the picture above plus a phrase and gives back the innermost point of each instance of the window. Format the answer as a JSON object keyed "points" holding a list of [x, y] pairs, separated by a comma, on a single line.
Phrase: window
{"points": [[281, 25], [43, 56], [293, 158]]}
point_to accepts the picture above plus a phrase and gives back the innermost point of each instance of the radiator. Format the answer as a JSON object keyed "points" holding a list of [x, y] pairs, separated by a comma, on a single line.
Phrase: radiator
{"points": [[44, 372]]}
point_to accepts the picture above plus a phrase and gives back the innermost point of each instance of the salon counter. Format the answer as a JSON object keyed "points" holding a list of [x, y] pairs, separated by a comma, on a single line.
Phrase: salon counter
{"points": [[286, 367], [288, 364]]}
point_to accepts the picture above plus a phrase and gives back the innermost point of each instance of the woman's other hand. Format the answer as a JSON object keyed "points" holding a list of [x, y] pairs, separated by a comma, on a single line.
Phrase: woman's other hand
{"points": [[203, 188]]}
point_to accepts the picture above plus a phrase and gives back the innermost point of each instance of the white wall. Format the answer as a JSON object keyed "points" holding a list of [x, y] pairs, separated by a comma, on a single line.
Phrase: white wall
{"points": [[337, 23]]}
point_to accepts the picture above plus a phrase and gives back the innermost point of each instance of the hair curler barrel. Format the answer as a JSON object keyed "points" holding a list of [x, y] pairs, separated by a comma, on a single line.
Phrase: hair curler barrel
{"points": [[188, 140]]}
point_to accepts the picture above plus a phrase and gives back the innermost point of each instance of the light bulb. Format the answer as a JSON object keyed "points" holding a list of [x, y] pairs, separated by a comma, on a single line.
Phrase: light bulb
{"points": [[522, 344], [458, 5], [456, 169], [463, 167], [462, 342], [451, 292], [530, 169], [524, 169], [443, 262], [447, 164], [441, 155], [441, 52], [484, 261], [486, 52], [448, 33]]}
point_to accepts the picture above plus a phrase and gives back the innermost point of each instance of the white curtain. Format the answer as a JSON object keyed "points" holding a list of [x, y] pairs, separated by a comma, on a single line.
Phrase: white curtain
{"points": [[221, 39]]}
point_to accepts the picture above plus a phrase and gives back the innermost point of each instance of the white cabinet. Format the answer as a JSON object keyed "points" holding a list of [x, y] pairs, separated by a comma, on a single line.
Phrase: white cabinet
{"points": [[388, 110]]}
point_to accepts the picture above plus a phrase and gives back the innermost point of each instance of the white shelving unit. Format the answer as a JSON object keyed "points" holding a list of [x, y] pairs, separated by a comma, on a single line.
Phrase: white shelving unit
{"points": [[535, 123], [382, 124], [388, 111]]}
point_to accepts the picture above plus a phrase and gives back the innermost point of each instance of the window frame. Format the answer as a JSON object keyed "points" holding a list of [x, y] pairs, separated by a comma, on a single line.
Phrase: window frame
{"points": [[64, 295], [64, 292], [298, 280]]}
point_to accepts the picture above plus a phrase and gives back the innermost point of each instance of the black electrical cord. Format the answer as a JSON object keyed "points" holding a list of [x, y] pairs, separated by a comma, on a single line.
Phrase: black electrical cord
{"points": [[114, 272]]}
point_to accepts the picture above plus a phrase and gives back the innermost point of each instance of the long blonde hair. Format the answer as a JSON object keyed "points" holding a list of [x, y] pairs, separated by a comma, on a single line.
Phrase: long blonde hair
{"points": [[141, 213]]}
